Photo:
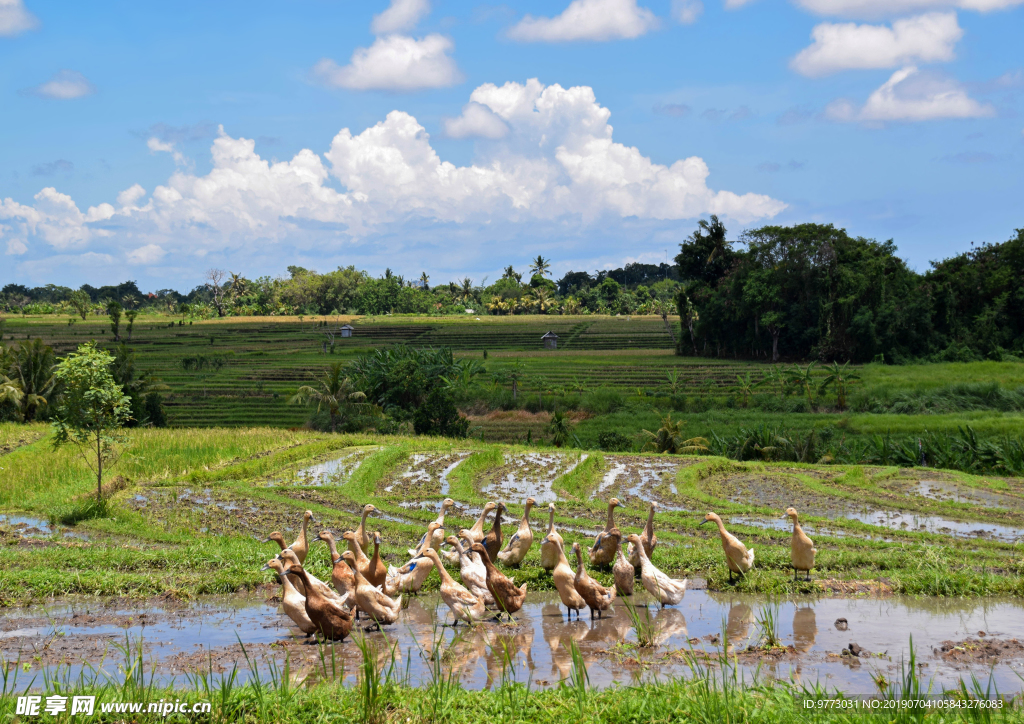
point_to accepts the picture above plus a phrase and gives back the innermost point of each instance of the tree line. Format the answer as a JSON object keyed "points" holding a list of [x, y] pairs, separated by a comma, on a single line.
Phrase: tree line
{"points": [[812, 291]]}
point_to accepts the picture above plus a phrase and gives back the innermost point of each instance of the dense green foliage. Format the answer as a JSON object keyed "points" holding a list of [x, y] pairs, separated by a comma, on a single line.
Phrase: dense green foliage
{"points": [[813, 291]]}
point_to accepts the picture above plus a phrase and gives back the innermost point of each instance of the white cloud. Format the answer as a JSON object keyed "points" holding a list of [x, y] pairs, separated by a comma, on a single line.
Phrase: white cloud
{"points": [[148, 254], [15, 19], [476, 121], [155, 145], [65, 85], [556, 164], [588, 20], [926, 38], [736, 4], [131, 195], [396, 63], [912, 95], [889, 8], [401, 16], [687, 11]]}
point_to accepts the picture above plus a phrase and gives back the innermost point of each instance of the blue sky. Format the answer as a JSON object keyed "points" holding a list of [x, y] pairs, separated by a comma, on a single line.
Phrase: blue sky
{"points": [[153, 141]]}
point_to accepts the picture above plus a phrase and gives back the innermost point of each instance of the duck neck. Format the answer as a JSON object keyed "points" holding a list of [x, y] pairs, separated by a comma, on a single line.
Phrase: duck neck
{"points": [[611, 518], [579, 562], [650, 523], [376, 552], [362, 521], [305, 525], [311, 591], [526, 515], [797, 530], [286, 582], [551, 521], [357, 550], [446, 577], [721, 528], [497, 520], [332, 544]]}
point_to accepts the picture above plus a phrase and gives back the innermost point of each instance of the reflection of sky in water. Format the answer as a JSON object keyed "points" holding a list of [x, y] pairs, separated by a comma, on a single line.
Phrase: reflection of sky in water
{"points": [[532, 474], [541, 641], [36, 527], [419, 470], [330, 472]]}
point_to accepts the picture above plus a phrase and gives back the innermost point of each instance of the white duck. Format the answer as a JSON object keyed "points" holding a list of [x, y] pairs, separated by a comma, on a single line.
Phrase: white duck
{"points": [[410, 577], [472, 571], [668, 591], [463, 604]]}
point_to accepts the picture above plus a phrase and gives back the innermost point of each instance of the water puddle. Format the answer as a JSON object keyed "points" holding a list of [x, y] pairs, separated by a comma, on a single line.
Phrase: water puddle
{"points": [[895, 520], [950, 492], [205, 636], [633, 477], [335, 471], [528, 474], [426, 473], [36, 528]]}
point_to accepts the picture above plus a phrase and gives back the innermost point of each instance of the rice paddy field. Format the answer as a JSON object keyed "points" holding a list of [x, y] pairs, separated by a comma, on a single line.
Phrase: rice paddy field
{"points": [[158, 595]]}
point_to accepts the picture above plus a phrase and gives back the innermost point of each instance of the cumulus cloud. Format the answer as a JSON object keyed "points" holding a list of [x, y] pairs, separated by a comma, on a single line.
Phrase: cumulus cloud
{"points": [[912, 95], [148, 254], [557, 163], [926, 38], [687, 11], [477, 121], [588, 20], [401, 16], [65, 85], [395, 63], [888, 8], [157, 146], [15, 19]]}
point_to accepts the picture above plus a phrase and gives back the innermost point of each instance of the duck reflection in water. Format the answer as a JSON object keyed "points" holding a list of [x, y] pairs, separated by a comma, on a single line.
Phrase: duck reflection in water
{"points": [[512, 653], [737, 626], [669, 623], [805, 629], [559, 634]]}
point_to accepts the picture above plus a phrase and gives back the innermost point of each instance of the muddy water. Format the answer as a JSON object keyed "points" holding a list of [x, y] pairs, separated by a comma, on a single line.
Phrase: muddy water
{"points": [[35, 528], [335, 471], [529, 474], [205, 637]]}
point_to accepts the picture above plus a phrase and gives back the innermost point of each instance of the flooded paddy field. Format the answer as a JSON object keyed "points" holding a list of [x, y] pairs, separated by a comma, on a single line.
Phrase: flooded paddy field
{"points": [[951, 639]]}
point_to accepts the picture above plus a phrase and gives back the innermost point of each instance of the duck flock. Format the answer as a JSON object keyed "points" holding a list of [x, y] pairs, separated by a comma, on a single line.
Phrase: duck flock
{"points": [[363, 585]]}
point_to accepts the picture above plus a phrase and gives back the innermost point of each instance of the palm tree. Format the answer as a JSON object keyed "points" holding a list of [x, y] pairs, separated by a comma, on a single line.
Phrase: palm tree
{"points": [[839, 377], [31, 371], [669, 439], [424, 280], [466, 289], [560, 428], [543, 300], [334, 391], [541, 266], [387, 273]]}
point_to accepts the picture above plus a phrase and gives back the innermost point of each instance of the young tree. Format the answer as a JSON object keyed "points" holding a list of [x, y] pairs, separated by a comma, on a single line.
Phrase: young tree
{"points": [[114, 310], [80, 302], [334, 391], [92, 410], [130, 315]]}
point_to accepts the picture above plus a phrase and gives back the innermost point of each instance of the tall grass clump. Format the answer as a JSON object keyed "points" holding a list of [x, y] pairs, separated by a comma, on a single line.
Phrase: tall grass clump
{"points": [[376, 681], [643, 626]]}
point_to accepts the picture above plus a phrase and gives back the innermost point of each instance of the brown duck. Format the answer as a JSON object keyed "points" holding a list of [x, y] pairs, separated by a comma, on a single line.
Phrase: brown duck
{"points": [[607, 542], [492, 541], [647, 539], [376, 572], [356, 548], [509, 598], [624, 574], [361, 536], [341, 575], [598, 597], [301, 544], [332, 620]]}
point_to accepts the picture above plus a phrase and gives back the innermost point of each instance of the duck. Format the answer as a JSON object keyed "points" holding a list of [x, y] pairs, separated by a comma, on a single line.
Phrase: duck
{"points": [[519, 544], [358, 554], [290, 560], [361, 537], [476, 533], [472, 571], [463, 604], [332, 620], [624, 573], [410, 577], [276, 537], [376, 604], [293, 602], [598, 598], [341, 575], [301, 544], [492, 541], [801, 548], [737, 557], [565, 580], [509, 598], [376, 572], [438, 534], [607, 541], [668, 591], [548, 547], [647, 539]]}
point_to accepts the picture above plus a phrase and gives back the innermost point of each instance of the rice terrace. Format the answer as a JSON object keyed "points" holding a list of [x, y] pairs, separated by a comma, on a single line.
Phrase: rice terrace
{"points": [[450, 362]]}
